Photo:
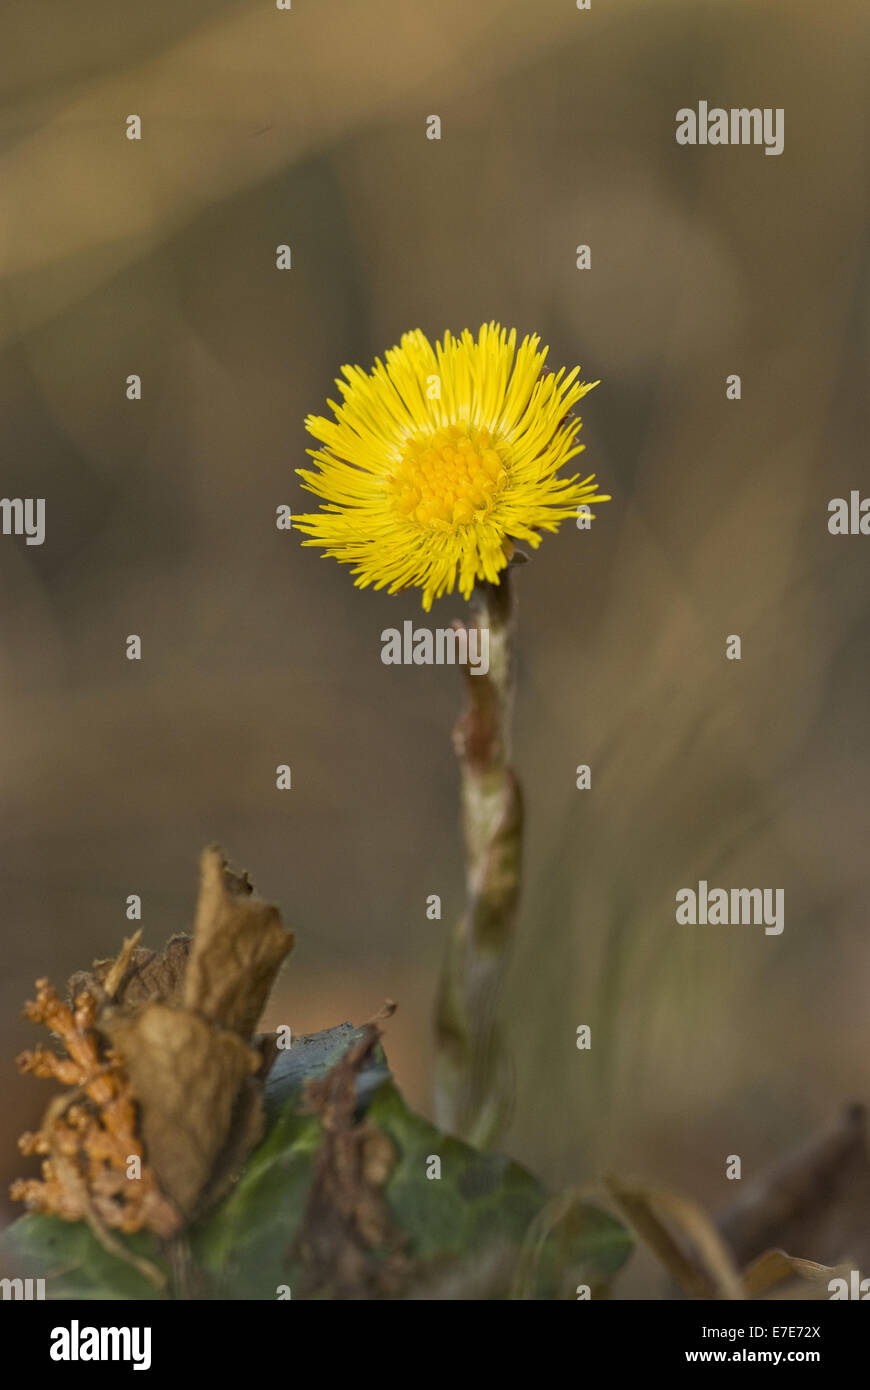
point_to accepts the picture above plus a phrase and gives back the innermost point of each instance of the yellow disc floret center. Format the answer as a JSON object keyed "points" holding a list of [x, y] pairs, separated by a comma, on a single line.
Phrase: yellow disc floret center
{"points": [[448, 479]]}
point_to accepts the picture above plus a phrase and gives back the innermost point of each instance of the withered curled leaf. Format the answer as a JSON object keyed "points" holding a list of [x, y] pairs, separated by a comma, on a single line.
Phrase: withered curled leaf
{"points": [[238, 945], [186, 1077]]}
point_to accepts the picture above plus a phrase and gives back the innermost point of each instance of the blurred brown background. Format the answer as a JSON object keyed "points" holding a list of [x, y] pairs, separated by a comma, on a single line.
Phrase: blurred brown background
{"points": [[158, 257]]}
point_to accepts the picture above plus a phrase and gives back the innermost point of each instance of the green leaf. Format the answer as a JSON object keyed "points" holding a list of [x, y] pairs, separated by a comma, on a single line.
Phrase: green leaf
{"points": [[312, 1056], [242, 1246], [74, 1264], [485, 1200]]}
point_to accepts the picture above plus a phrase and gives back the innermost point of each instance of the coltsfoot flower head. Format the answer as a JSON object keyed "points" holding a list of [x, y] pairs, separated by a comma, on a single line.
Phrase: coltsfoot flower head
{"points": [[438, 459]]}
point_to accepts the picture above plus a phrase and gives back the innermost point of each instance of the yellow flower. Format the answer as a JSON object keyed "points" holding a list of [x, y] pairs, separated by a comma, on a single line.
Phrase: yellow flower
{"points": [[439, 459]]}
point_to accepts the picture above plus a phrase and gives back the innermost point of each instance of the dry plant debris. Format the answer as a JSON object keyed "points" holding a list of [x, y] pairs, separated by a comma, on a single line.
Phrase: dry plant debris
{"points": [[159, 1053], [349, 1242]]}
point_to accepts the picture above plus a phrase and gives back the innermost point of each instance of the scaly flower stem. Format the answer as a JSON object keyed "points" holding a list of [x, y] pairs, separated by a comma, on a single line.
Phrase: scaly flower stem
{"points": [[473, 1079]]}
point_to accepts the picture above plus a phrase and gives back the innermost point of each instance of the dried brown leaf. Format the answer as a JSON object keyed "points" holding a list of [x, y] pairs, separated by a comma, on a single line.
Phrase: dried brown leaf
{"points": [[186, 1077], [246, 1131], [238, 944], [684, 1239], [775, 1268]]}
